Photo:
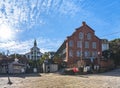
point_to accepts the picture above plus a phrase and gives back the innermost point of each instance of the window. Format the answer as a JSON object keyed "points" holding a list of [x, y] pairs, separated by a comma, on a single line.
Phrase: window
{"points": [[79, 44], [80, 35], [87, 53], [71, 53], [70, 43], [105, 47], [94, 45], [89, 36], [86, 44], [78, 53], [94, 53]]}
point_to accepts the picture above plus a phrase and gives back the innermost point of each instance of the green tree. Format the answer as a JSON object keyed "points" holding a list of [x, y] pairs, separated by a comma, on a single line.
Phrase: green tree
{"points": [[57, 59], [107, 54], [44, 57], [21, 58], [115, 47]]}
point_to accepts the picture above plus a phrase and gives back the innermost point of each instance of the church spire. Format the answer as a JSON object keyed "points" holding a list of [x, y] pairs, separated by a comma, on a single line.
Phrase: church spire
{"points": [[35, 43]]}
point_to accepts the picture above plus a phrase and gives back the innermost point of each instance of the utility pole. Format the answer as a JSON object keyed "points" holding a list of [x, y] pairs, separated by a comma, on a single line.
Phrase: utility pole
{"points": [[81, 51]]}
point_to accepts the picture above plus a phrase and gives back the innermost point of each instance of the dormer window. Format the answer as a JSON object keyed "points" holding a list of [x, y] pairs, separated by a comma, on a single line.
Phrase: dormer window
{"points": [[80, 35]]}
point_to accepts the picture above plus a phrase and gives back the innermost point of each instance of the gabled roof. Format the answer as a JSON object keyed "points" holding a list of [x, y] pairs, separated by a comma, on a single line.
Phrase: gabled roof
{"points": [[79, 28], [83, 25]]}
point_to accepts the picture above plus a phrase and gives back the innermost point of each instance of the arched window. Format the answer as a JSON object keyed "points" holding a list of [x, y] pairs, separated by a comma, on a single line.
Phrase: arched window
{"points": [[81, 35]]}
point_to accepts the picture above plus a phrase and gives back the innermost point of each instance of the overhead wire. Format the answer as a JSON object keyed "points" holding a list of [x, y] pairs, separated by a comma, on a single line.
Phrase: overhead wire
{"points": [[111, 34]]}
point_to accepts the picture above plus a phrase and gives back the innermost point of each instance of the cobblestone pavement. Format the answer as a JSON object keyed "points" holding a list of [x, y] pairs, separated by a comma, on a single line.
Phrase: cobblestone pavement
{"points": [[52, 80]]}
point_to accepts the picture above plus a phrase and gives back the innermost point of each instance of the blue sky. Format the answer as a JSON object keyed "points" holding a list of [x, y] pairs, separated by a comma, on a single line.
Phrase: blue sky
{"points": [[51, 21]]}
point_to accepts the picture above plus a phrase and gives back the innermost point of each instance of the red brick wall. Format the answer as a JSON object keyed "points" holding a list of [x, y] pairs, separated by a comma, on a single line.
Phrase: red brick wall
{"points": [[106, 63], [75, 37]]}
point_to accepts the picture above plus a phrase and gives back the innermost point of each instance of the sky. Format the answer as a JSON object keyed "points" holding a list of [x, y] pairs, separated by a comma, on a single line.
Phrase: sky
{"points": [[51, 21]]}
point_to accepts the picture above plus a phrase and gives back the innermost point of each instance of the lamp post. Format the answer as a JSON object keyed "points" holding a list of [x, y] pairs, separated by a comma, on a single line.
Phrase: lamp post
{"points": [[9, 81], [81, 56], [81, 52], [7, 70]]}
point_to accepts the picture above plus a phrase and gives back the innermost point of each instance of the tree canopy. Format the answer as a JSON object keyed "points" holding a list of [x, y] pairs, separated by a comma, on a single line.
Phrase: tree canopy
{"points": [[115, 47]]}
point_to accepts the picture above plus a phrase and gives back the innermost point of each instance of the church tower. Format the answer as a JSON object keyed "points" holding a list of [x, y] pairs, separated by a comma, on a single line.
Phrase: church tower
{"points": [[34, 53]]}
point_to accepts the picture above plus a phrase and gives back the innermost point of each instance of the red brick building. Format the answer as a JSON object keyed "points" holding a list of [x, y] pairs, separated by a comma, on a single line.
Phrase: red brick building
{"points": [[83, 47]]}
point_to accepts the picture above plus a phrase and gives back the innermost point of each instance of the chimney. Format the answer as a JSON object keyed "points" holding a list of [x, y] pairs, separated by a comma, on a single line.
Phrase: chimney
{"points": [[83, 23]]}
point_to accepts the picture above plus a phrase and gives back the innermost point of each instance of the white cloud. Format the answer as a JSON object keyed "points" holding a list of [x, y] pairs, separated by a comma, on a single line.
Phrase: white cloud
{"points": [[48, 44], [19, 13], [15, 46], [68, 8], [28, 12], [23, 47]]}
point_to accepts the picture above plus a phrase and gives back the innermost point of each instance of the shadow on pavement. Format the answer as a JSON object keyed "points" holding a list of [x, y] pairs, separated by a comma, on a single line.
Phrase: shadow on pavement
{"points": [[21, 75], [115, 72]]}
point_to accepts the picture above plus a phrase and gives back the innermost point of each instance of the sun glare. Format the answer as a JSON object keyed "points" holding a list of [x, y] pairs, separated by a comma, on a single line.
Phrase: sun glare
{"points": [[6, 32]]}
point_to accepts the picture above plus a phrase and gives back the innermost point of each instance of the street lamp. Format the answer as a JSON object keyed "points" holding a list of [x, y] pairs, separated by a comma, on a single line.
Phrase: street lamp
{"points": [[7, 69], [9, 81], [81, 58], [81, 50], [81, 55]]}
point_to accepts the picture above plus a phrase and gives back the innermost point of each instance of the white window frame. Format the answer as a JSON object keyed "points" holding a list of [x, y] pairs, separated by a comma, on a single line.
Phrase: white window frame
{"points": [[88, 36], [94, 45], [81, 35], [87, 53], [70, 53], [86, 44], [71, 43], [79, 44], [94, 54], [78, 53]]}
